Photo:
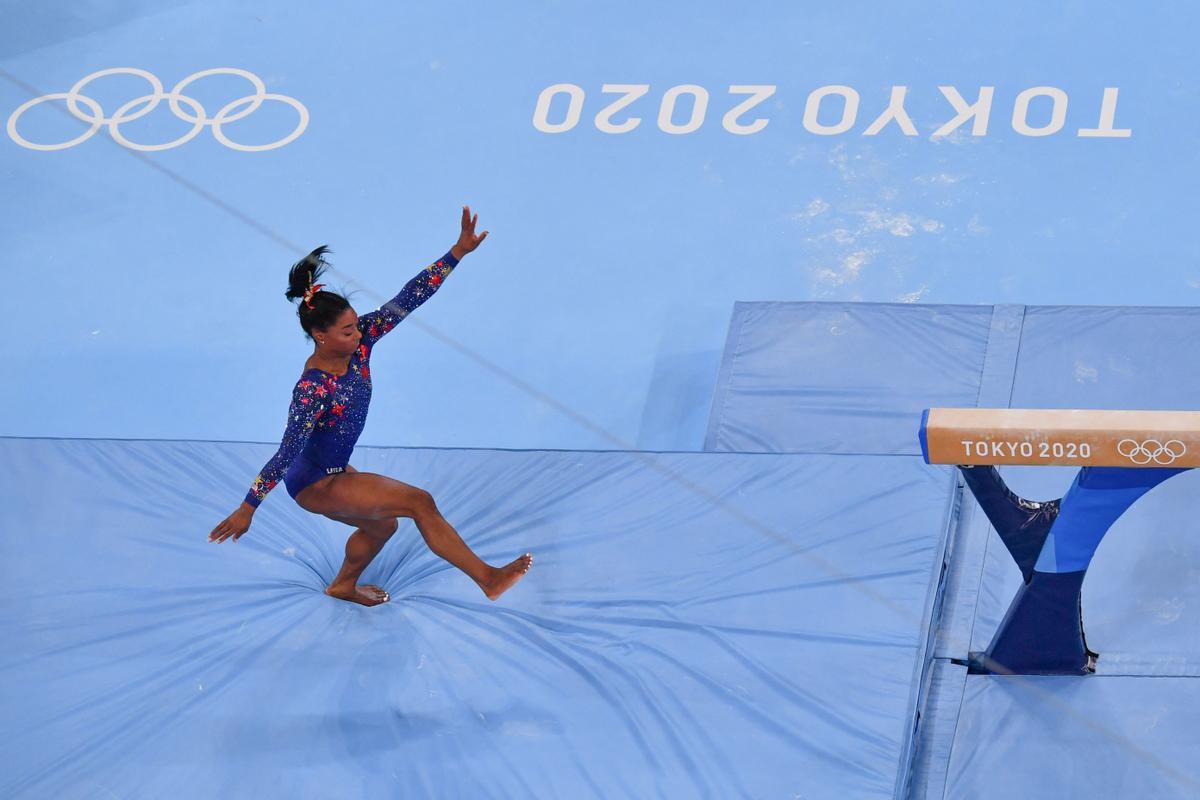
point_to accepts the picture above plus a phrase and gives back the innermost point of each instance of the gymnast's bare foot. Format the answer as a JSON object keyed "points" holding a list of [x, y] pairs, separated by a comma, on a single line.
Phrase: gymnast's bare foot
{"points": [[366, 594], [504, 578]]}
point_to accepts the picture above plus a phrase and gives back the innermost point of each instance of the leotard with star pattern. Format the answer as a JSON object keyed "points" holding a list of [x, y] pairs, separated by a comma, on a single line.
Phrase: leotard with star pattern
{"points": [[328, 411]]}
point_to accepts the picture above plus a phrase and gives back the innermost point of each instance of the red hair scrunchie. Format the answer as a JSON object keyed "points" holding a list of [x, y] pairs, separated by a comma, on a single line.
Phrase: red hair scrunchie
{"points": [[312, 290]]}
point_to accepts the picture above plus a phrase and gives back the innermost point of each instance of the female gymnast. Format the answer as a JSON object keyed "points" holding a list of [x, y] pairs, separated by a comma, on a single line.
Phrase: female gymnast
{"points": [[326, 415]]}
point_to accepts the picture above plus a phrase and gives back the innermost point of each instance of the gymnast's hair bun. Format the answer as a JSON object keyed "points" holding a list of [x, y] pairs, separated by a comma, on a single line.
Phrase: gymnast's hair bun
{"points": [[317, 310], [306, 272]]}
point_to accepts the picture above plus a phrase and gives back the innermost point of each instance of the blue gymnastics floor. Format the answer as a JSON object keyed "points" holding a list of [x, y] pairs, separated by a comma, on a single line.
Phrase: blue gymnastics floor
{"points": [[613, 258]]}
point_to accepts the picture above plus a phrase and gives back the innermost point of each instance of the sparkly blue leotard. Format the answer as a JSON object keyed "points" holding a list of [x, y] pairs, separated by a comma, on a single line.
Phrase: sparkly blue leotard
{"points": [[328, 411]]}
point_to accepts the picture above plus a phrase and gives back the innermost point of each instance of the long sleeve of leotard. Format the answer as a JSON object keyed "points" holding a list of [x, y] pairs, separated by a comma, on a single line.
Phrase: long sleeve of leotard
{"points": [[377, 323], [309, 402]]}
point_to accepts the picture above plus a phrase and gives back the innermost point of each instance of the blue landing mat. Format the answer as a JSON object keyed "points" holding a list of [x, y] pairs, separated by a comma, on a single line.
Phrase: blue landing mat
{"points": [[1062, 737], [695, 625], [842, 377], [854, 377]]}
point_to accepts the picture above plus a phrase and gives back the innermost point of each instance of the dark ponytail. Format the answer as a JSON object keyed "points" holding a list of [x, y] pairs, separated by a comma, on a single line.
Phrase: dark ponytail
{"points": [[323, 309]]}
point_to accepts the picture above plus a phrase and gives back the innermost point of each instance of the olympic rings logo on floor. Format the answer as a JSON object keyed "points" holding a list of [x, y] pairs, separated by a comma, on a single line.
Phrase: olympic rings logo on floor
{"points": [[1163, 453], [86, 109]]}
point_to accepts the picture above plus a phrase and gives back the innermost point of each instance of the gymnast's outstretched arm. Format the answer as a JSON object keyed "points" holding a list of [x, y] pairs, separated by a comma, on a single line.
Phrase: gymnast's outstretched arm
{"points": [[309, 403], [376, 324]]}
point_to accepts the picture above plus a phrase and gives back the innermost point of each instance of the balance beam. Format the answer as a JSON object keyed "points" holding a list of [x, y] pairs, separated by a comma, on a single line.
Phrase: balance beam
{"points": [[1051, 437]]}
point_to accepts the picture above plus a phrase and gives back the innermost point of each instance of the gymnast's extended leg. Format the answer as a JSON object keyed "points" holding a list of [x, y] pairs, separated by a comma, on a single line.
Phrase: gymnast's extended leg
{"points": [[365, 496]]}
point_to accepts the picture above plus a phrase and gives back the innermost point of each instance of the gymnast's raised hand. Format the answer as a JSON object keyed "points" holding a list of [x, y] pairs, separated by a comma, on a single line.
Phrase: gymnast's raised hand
{"points": [[327, 413]]}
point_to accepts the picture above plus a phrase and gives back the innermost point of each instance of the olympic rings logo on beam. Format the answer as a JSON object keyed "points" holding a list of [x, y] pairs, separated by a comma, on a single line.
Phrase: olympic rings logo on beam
{"points": [[93, 114], [1152, 450]]}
